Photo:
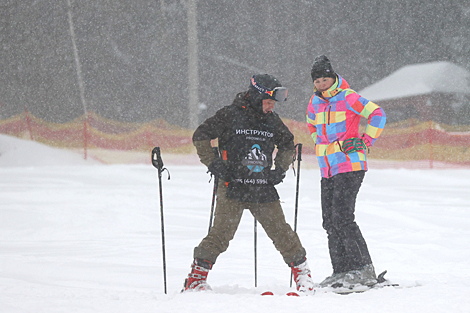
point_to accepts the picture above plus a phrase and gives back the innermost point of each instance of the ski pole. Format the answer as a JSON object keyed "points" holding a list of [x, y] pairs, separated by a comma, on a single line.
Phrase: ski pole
{"points": [[157, 162], [299, 159], [256, 252], [296, 206], [214, 191]]}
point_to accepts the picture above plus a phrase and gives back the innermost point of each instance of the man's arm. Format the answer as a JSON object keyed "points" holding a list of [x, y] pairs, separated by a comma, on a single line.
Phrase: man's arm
{"points": [[210, 129], [204, 151], [285, 147]]}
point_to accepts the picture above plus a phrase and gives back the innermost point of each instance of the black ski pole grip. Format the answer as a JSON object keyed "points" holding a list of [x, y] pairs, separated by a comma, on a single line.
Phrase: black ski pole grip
{"points": [[299, 153], [157, 161], [216, 151]]}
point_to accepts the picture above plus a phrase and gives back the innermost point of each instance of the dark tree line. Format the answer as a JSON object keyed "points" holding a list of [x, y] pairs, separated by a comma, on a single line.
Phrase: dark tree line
{"points": [[134, 53]]}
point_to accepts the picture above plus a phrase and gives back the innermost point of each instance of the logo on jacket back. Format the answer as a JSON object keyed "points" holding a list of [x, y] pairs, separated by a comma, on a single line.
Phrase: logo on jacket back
{"points": [[256, 160]]}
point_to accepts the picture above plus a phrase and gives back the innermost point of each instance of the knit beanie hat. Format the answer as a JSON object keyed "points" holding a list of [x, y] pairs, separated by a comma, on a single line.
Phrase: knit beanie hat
{"points": [[322, 68]]}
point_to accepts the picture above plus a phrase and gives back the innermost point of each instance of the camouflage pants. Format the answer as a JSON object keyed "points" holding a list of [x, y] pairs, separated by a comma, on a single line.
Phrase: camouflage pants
{"points": [[227, 216]]}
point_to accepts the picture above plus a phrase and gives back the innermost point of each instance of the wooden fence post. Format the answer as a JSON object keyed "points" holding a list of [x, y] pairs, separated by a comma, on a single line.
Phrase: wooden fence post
{"points": [[28, 123], [431, 153], [85, 137]]}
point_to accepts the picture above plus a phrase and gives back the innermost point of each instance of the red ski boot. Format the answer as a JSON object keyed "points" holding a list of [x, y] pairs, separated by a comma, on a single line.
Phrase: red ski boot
{"points": [[196, 280], [302, 278]]}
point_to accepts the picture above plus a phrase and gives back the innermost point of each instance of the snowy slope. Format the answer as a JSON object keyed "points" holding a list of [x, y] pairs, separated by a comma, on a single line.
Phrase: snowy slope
{"points": [[20, 152], [88, 239]]}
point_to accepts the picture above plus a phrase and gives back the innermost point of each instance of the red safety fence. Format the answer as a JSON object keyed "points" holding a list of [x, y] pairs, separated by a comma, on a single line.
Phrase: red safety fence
{"points": [[420, 144], [407, 141], [94, 131]]}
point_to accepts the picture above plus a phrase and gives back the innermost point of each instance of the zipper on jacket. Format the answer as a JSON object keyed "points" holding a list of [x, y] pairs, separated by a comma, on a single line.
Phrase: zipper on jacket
{"points": [[325, 133], [328, 166], [329, 113]]}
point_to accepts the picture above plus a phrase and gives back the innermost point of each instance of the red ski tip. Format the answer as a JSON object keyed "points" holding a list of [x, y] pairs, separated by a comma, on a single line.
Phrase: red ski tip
{"points": [[267, 293], [292, 294]]}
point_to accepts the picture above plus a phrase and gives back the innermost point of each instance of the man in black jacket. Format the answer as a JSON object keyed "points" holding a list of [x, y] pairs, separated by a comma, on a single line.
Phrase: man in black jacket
{"points": [[248, 132]]}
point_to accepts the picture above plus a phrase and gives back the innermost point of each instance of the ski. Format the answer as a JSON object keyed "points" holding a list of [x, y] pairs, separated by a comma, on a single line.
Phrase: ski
{"points": [[290, 293], [339, 289], [358, 289], [267, 293]]}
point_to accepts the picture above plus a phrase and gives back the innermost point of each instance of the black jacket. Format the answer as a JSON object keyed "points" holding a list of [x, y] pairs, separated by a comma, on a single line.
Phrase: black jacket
{"points": [[247, 140]]}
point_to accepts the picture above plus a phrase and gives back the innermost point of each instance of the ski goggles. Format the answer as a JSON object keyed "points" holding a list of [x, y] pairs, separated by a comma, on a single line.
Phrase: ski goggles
{"points": [[278, 93]]}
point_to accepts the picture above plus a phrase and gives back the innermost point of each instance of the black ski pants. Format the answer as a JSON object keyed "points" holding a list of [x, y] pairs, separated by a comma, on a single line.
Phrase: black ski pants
{"points": [[347, 247]]}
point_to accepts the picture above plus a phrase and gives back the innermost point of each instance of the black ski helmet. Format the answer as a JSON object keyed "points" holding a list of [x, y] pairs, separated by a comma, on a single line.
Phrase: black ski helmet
{"points": [[265, 86]]}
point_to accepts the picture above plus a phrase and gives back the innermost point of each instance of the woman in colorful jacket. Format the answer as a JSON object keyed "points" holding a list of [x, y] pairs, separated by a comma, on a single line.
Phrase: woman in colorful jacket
{"points": [[333, 117]]}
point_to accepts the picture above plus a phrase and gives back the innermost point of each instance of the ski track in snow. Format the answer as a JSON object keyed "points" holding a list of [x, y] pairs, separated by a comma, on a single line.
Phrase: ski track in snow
{"points": [[87, 238]]}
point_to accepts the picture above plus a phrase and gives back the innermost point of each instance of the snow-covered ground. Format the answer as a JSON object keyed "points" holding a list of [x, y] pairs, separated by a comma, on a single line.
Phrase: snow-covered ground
{"points": [[78, 236]]}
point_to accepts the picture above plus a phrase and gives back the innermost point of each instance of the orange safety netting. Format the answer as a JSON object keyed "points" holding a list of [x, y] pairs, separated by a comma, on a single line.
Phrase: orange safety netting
{"points": [[97, 132], [404, 141], [408, 140]]}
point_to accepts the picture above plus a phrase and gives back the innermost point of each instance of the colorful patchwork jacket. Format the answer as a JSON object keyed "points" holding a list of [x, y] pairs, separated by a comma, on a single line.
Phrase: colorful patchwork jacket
{"points": [[332, 117]]}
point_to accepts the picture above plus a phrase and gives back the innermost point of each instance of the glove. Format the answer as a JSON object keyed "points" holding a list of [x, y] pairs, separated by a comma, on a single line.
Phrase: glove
{"points": [[276, 176], [219, 168], [353, 145]]}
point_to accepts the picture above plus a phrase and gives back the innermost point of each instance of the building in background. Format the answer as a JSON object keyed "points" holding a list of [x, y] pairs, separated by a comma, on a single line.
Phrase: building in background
{"points": [[437, 91]]}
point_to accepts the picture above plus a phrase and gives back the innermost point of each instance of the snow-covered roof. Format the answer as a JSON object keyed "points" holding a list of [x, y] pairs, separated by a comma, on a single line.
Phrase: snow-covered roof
{"points": [[420, 79]]}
